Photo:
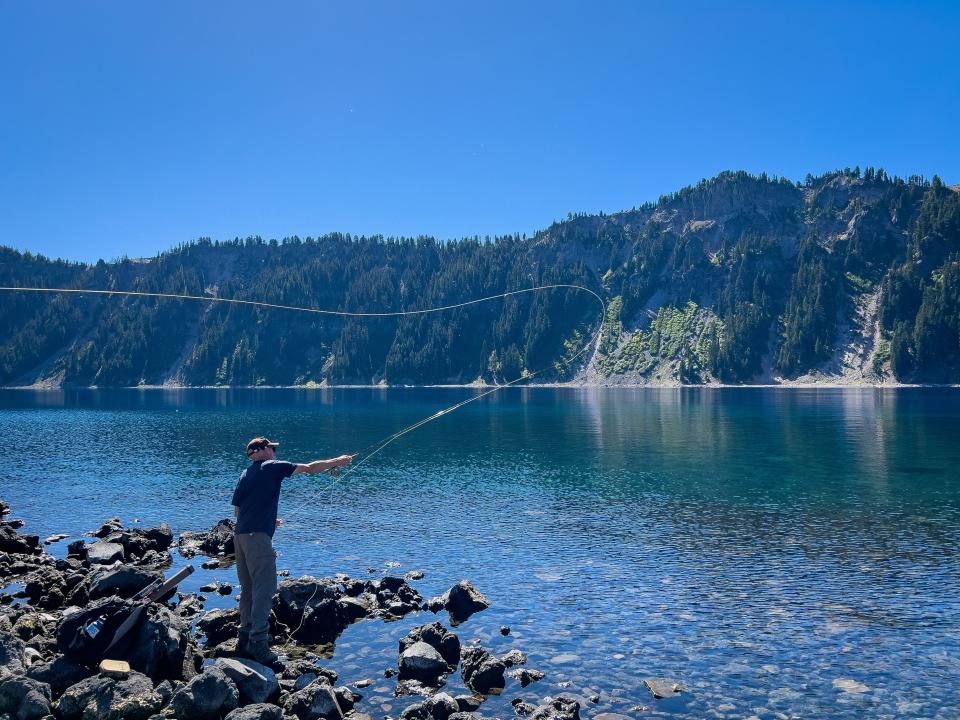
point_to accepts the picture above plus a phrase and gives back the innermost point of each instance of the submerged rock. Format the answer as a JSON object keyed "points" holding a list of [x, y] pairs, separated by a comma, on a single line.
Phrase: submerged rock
{"points": [[525, 676], [557, 709], [661, 688], [422, 662]]}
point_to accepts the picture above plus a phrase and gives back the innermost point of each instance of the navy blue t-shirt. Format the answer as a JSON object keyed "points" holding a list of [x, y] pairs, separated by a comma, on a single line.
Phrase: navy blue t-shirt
{"points": [[258, 493]]}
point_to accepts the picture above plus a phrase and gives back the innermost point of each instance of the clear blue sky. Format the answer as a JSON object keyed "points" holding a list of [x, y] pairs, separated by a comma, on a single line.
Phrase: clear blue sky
{"points": [[129, 127]]}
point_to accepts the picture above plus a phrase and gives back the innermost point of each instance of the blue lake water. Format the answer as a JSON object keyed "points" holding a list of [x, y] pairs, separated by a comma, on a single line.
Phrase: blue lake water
{"points": [[779, 552]]}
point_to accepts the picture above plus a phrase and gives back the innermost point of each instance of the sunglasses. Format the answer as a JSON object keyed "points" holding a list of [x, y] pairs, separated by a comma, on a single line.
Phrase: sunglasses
{"points": [[253, 451]]}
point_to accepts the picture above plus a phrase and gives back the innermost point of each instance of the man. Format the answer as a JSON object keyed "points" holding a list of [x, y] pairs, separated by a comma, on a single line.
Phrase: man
{"points": [[255, 506]]}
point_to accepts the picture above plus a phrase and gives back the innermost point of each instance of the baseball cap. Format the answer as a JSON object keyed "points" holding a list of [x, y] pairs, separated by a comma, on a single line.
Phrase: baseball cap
{"points": [[259, 443]]}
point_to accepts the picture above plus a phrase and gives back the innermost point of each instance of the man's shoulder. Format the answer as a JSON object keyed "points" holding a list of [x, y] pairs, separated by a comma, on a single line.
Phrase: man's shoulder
{"points": [[283, 467]]}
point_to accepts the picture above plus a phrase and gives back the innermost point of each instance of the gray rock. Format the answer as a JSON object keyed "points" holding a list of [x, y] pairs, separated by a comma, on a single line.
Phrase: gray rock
{"points": [[13, 542], [315, 701], [422, 661], [439, 638], [469, 703], [461, 601], [76, 697], [481, 671], [218, 540], [557, 709], [11, 652], [59, 673], [123, 580], [219, 625], [256, 683], [514, 657], [522, 708], [132, 698], [24, 698], [257, 711], [662, 688], [442, 706], [104, 553], [209, 695]]}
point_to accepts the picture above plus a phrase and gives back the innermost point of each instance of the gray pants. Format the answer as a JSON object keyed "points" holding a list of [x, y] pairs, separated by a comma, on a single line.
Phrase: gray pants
{"points": [[257, 570]]}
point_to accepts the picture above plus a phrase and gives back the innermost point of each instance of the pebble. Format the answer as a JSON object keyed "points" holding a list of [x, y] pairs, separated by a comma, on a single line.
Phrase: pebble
{"points": [[504, 630]]}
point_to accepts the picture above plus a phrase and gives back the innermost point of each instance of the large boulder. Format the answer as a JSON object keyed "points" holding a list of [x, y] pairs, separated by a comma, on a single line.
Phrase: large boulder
{"points": [[131, 698], [209, 695], [219, 625], [104, 553], [482, 672], [24, 698], [218, 540], [308, 606], [392, 596], [461, 601], [439, 638], [422, 662], [123, 580], [317, 700], [256, 711], [256, 683], [163, 647]]}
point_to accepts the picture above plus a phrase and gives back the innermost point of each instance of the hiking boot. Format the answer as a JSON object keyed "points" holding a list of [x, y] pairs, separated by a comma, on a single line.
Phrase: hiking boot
{"points": [[243, 643], [258, 649]]}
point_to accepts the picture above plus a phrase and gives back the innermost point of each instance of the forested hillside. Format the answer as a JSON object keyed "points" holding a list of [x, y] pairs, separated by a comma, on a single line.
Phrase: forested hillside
{"points": [[848, 277]]}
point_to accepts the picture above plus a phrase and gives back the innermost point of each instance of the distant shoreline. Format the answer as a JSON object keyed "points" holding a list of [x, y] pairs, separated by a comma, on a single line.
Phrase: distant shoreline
{"points": [[474, 386]]}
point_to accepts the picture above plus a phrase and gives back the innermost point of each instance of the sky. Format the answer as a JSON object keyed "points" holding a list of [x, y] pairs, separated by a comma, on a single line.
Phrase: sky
{"points": [[128, 128]]}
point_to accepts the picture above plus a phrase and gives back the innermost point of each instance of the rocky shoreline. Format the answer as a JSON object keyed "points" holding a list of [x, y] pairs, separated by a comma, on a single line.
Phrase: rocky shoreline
{"points": [[182, 657]]}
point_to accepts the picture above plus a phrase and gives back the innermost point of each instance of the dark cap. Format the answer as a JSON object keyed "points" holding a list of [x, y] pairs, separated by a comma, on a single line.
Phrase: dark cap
{"points": [[258, 444]]}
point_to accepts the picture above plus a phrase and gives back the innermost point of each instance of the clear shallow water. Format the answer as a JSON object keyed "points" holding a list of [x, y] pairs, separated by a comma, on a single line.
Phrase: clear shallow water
{"points": [[755, 545]]}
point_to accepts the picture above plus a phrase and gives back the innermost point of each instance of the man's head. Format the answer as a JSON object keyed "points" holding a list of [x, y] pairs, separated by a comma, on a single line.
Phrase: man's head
{"points": [[261, 449]]}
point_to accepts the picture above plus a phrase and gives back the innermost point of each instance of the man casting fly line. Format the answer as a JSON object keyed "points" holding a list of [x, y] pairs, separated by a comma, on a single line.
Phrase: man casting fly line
{"points": [[255, 505]]}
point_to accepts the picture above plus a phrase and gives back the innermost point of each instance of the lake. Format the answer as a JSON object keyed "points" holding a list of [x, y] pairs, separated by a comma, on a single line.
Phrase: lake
{"points": [[778, 552]]}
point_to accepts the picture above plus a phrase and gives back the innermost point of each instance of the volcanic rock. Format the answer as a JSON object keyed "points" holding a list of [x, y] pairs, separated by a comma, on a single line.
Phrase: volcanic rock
{"points": [[557, 709], [122, 580], [209, 695], [104, 553], [256, 683], [59, 673], [24, 698], [422, 662], [219, 625], [218, 540], [461, 601], [11, 652], [437, 636], [13, 542], [481, 671], [257, 711], [315, 701]]}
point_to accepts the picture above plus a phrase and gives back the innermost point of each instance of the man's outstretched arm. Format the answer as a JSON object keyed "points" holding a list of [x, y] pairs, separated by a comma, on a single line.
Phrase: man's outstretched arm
{"points": [[319, 466]]}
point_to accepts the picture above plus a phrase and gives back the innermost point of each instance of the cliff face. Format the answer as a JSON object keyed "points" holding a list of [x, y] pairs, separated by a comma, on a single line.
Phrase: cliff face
{"points": [[849, 277]]}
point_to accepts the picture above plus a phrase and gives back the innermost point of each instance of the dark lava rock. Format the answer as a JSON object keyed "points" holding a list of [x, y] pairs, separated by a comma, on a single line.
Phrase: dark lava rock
{"points": [[514, 657], [439, 706], [557, 709], [13, 542], [111, 525], [504, 630], [104, 553], [256, 683], [209, 695], [392, 596], [24, 698], [439, 638], [123, 580], [78, 696], [59, 673], [295, 669], [129, 698], [461, 601], [218, 540], [219, 625], [310, 604], [525, 676], [481, 671], [316, 700], [4, 509], [257, 711], [77, 549], [422, 662]]}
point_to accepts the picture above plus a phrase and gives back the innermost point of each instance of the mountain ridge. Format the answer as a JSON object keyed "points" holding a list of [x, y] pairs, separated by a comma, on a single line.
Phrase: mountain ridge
{"points": [[850, 277]]}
